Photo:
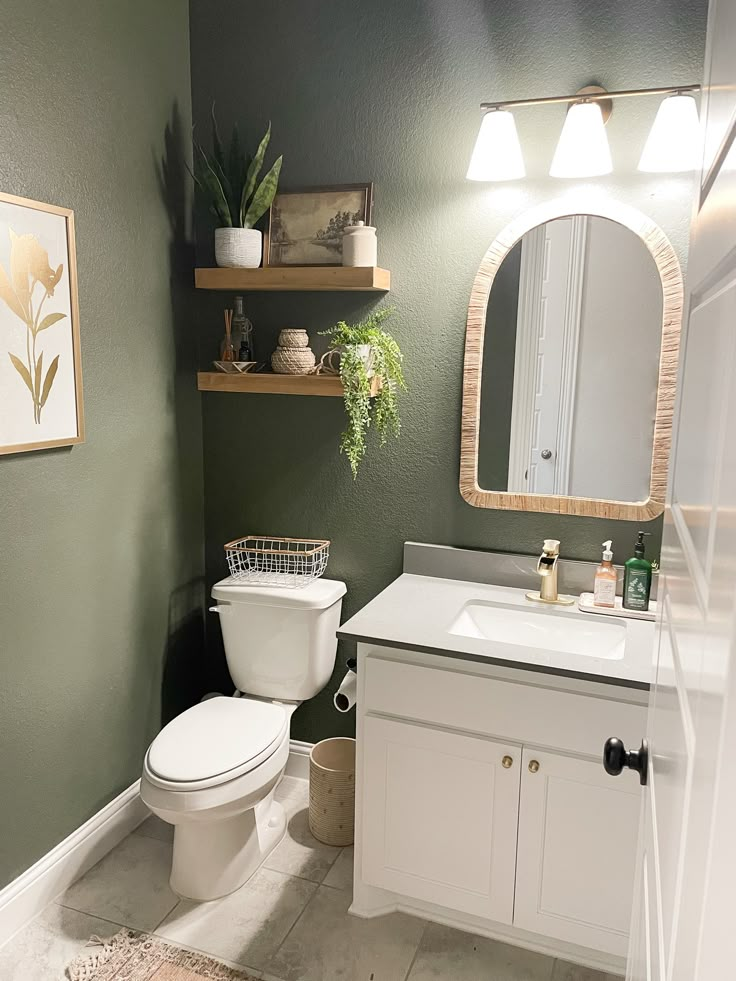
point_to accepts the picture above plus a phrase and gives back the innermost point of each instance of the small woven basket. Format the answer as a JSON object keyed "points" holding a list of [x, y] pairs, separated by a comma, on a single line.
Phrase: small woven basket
{"points": [[332, 791], [292, 360], [293, 337]]}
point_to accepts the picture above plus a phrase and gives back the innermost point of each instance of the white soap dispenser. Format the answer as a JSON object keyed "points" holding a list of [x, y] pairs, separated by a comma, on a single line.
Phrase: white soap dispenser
{"points": [[604, 589]]}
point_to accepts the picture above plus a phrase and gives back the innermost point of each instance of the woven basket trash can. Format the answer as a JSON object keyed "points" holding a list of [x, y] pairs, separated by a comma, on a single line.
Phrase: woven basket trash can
{"points": [[332, 791]]}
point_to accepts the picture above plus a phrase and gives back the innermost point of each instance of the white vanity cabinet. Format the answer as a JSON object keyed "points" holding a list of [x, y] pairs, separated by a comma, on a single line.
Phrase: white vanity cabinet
{"points": [[440, 816], [576, 850], [482, 802]]}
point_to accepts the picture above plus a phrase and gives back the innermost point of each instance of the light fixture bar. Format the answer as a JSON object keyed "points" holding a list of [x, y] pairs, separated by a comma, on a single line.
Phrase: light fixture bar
{"points": [[590, 97]]}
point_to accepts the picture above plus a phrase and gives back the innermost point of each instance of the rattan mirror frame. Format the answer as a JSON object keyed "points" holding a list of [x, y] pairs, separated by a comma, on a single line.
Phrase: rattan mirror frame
{"points": [[670, 274]]}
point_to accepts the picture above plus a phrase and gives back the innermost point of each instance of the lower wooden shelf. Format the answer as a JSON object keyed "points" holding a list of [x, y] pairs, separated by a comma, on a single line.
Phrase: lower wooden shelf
{"points": [[267, 383]]}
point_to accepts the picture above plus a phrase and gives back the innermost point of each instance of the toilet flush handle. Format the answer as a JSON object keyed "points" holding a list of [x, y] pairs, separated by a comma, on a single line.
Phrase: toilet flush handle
{"points": [[215, 609]]}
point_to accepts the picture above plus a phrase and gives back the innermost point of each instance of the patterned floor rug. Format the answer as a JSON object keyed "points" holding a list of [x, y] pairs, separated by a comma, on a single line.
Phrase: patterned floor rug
{"points": [[130, 956]]}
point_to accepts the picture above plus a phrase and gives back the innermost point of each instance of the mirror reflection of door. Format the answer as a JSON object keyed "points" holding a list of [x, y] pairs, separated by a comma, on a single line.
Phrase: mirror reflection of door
{"points": [[574, 321], [544, 368]]}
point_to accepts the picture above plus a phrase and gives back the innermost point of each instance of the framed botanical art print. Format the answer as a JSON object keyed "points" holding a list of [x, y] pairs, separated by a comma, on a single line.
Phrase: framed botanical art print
{"points": [[306, 225], [40, 364]]}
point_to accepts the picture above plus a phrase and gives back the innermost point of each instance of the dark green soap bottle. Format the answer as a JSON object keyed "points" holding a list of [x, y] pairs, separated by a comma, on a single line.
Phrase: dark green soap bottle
{"points": [[637, 577]]}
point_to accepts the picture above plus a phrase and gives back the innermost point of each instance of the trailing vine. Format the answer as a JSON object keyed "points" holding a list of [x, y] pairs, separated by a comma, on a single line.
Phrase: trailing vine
{"points": [[385, 362]]}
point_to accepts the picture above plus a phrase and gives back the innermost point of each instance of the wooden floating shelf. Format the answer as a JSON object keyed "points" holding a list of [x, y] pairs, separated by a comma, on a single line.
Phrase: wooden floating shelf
{"points": [[305, 278], [265, 383]]}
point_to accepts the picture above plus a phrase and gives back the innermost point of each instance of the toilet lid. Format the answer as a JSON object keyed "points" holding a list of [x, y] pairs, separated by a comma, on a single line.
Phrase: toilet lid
{"points": [[214, 737]]}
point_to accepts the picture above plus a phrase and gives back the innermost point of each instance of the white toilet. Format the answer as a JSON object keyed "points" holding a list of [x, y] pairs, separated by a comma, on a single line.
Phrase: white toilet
{"points": [[212, 771]]}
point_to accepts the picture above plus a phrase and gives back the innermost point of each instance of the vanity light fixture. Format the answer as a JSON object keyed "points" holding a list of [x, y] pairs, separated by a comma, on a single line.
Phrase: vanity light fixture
{"points": [[497, 152], [583, 149], [673, 144]]}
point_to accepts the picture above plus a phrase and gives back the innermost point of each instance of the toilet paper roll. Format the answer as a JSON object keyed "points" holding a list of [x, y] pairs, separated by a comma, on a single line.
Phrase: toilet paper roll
{"points": [[347, 692]]}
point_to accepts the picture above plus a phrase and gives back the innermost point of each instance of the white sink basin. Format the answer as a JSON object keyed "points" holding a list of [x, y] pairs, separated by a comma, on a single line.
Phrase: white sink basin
{"points": [[546, 630]]}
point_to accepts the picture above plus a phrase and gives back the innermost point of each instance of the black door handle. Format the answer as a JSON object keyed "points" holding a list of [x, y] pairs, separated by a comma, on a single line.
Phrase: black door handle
{"points": [[616, 757]]}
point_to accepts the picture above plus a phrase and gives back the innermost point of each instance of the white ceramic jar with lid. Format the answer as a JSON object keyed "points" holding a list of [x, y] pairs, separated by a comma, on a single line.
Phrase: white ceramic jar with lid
{"points": [[359, 245]]}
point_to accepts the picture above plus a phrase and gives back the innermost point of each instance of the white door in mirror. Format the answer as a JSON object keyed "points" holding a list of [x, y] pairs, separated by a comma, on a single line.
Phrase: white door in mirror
{"points": [[539, 367], [566, 365]]}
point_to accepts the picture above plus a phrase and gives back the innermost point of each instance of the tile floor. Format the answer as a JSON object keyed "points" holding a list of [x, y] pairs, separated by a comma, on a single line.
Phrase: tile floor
{"points": [[288, 923]]}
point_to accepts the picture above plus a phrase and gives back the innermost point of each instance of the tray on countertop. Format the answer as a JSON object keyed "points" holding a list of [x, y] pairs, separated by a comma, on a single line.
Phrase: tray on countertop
{"points": [[585, 603]]}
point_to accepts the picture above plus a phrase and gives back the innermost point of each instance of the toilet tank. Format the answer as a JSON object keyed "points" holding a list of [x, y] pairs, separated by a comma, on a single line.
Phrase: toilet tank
{"points": [[280, 642]]}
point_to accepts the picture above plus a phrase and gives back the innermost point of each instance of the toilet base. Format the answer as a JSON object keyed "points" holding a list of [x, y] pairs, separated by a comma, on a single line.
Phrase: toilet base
{"points": [[214, 858]]}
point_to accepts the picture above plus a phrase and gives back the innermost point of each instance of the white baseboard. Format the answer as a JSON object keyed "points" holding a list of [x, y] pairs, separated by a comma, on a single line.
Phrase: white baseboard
{"points": [[298, 763], [31, 892], [25, 897]]}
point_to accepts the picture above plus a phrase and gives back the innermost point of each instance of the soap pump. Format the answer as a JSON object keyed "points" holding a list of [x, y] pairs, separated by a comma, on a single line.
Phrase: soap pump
{"points": [[604, 588], [637, 577]]}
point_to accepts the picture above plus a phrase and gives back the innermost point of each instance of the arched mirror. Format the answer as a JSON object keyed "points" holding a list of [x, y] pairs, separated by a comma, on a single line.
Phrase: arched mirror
{"points": [[570, 366]]}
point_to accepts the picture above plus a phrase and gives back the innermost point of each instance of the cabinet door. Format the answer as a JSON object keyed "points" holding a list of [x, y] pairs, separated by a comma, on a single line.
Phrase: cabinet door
{"points": [[440, 814], [578, 831]]}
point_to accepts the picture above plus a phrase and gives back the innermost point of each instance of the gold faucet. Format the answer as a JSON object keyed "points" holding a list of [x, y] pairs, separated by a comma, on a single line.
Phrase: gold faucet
{"points": [[547, 569]]}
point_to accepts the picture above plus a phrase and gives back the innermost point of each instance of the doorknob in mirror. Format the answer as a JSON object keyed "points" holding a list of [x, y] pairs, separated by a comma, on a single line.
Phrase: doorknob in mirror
{"points": [[546, 454], [616, 758]]}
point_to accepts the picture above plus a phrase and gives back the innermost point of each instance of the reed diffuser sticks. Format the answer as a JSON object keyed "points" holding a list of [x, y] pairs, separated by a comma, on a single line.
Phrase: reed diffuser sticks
{"points": [[228, 351]]}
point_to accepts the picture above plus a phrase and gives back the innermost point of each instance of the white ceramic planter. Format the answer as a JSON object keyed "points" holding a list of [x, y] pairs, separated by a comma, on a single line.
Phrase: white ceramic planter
{"points": [[367, 356], [238, 247], [331, 360]]}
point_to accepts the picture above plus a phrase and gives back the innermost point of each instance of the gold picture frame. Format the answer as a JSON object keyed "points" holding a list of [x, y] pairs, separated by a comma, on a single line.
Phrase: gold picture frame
{"points": [[313, 214], [41, 401]]}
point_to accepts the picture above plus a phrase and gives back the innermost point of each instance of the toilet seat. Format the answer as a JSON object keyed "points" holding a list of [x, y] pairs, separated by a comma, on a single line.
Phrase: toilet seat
{"points": [[215, 742]]}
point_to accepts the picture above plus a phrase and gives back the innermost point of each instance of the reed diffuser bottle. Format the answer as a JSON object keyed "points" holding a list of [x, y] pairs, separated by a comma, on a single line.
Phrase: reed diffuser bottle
{"points": [[227, 348]]}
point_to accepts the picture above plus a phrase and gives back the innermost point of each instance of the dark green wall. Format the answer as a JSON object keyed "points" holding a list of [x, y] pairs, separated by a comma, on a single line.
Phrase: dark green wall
{"points": [[100, 578], [388, 92]]}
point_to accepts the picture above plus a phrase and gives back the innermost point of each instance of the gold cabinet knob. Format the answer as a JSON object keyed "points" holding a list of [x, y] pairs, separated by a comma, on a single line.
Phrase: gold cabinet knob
{"points": [[507, 762], [533, 766]]}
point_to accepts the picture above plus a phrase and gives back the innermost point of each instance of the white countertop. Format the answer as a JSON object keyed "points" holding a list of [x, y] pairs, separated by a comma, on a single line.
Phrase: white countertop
{"points": [[418, 613]]}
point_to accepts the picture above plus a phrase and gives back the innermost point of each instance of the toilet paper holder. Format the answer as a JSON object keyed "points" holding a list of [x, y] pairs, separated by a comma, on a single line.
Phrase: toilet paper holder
{"points": [[345, 696]]}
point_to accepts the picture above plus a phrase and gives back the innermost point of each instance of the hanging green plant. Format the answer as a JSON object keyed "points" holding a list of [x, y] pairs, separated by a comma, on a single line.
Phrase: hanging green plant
{"points": [[367, 351]]}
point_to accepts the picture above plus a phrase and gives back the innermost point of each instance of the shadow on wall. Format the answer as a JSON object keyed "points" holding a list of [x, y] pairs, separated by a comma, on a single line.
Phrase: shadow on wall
{"points": [[184, 669], [184, 677]]}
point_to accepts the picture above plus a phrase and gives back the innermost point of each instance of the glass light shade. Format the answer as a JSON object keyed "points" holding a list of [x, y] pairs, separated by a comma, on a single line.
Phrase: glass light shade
{"points": [[673, 144], [497, 152], [582, 150]]}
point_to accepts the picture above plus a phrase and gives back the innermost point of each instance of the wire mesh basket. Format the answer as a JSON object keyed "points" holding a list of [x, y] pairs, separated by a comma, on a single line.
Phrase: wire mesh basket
{"points": [[290, 562]]}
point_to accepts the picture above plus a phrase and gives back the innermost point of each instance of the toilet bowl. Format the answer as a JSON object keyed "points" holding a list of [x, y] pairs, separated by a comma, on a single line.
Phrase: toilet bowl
{"points": [[212, 771]]}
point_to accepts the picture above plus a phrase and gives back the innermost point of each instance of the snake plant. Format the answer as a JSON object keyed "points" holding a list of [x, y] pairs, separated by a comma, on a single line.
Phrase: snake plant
{"points": [[229, 179]]}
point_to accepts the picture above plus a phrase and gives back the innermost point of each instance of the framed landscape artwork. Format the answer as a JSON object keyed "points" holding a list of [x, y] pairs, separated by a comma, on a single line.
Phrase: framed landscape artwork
{"points": [[40, 365], [306, 225]]}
